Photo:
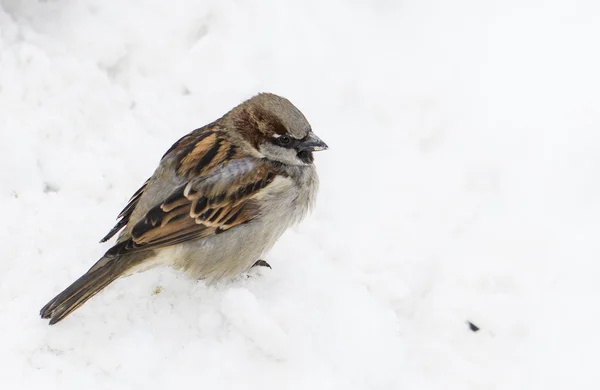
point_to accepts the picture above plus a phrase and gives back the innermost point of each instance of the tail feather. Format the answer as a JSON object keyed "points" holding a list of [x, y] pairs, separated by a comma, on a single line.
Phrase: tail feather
{"points": [[81, 290]]}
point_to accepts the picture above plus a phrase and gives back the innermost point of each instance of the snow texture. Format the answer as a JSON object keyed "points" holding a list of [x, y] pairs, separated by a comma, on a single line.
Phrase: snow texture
{"points": [[461, 185]]}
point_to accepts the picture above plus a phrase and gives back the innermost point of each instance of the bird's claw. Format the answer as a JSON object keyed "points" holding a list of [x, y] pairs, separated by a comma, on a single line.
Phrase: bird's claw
{"points": [[261, 263]]}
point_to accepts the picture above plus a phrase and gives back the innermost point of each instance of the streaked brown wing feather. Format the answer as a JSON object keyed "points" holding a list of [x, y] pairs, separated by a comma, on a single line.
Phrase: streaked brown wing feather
{"points": [[125, 214], [203, 150], [199, 210], [221, 192], [199, 152]]}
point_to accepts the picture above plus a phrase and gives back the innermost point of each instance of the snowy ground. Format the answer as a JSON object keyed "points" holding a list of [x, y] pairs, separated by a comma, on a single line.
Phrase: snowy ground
{"points": [[461, 185]]}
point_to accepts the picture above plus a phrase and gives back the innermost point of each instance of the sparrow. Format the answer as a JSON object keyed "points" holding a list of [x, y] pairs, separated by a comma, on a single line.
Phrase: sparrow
{"points": [[218, 201]]}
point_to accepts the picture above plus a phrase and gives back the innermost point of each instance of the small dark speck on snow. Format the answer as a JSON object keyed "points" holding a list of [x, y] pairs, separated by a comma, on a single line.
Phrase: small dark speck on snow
{"points": [[49, 188]]}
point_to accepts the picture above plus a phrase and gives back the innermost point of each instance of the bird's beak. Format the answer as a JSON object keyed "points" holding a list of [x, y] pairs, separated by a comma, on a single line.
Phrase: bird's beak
{"points": [[311, 144]]}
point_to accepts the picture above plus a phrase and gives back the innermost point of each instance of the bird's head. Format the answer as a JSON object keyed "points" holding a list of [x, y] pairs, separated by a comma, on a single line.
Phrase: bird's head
{"points": [[276, 129]]}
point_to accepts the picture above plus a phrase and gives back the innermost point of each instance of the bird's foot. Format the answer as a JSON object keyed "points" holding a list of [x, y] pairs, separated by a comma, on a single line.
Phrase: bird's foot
{"points": [[261, 263]]}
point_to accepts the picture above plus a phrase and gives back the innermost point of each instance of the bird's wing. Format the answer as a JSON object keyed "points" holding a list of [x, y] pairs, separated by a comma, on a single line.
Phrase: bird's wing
{"points": [[192, 153], [220, 194], [123, 218]]}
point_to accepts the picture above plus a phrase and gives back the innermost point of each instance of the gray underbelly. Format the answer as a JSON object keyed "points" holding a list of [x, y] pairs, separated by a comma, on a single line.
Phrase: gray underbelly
{"points": [[224, 256]]}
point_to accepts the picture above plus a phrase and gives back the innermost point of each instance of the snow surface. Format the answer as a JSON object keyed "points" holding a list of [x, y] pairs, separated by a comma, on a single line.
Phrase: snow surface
{"points": [[461, 185]]}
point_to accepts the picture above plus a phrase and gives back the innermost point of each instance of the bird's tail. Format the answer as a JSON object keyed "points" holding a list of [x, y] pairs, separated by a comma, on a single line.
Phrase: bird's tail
{"points": [[104, 272]]}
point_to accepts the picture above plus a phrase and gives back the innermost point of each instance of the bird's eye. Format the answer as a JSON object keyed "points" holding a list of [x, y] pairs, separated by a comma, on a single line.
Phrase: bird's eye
{"points": [[284, 140]]}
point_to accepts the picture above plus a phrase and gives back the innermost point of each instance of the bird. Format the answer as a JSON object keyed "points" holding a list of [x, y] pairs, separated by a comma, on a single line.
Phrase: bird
{"points": [[219, 199]]}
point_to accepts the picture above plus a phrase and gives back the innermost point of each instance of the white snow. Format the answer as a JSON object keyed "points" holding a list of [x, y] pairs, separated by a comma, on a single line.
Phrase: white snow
{"points": [[462, 184]]}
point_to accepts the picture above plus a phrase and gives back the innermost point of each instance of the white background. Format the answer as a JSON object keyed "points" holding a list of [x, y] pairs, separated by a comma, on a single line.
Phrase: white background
{"points": [[462, 184]]}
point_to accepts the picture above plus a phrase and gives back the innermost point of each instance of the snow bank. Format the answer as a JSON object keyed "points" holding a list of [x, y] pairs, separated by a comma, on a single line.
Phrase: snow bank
{"points": [[461, 185]]}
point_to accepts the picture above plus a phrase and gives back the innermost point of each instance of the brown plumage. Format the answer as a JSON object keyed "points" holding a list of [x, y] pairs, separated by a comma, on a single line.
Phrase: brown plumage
{"points": [[243, 170]]}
